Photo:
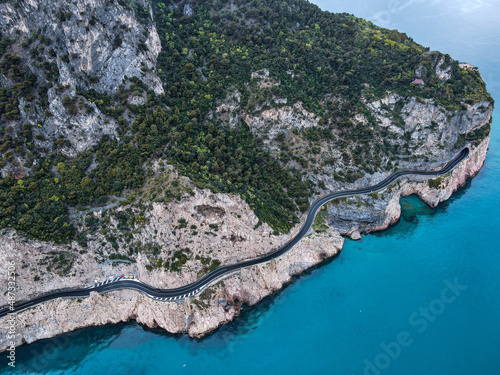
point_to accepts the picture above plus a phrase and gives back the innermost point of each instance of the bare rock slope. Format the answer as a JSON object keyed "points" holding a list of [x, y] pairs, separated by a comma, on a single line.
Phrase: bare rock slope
{"points": [[94, 44]]}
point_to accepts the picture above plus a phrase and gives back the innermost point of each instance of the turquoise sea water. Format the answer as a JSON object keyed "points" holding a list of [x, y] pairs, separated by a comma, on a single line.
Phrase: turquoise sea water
{"points": [[420, 298]]}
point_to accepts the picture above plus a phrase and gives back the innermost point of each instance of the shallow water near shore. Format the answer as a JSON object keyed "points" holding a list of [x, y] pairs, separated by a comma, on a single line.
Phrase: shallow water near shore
{"points": [[419, 298]]}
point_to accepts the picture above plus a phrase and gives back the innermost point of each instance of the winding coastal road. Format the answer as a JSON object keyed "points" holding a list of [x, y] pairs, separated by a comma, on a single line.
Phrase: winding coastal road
{"points": [[224, 271]]}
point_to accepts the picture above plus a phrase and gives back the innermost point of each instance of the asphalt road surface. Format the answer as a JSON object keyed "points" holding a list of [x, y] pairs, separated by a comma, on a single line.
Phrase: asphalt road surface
{"points": [[221, 272]]}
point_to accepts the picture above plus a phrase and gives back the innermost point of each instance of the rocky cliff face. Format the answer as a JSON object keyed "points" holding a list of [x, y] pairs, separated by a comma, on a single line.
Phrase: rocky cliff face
{"points": [[430, 130], [377, 211], [447, 185], [395, 132], [417, 134], [235, 240], [437, 143], [85, 40], [90, 44]]}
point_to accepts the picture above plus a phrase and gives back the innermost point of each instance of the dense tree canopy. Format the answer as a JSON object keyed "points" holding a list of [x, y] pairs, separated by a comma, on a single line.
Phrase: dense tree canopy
{"points": [[208, 49]]}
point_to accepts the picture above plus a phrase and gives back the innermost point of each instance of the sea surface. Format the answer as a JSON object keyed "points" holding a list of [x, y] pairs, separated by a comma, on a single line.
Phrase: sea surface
{"points": [[420, 298]]}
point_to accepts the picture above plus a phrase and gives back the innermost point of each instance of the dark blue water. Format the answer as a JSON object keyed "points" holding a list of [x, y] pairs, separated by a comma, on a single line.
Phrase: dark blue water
{"points": [[420, 298]]}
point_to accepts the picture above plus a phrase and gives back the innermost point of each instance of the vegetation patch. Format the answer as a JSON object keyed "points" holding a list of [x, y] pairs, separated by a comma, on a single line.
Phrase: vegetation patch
{"points": [[435, 183], [312, 57], [320, 224]]}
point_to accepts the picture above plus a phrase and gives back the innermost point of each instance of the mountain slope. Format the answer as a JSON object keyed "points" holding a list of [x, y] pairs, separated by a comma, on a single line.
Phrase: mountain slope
{"points": [[94, 70], [180, 136]]}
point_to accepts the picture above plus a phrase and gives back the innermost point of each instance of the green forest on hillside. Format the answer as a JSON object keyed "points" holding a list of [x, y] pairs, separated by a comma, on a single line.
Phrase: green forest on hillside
{"points": [[203, 55]]}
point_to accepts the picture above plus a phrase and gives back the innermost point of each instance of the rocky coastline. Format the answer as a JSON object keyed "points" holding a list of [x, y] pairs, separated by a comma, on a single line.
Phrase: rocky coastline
{"points": [[220, 303], [174, 238]]}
